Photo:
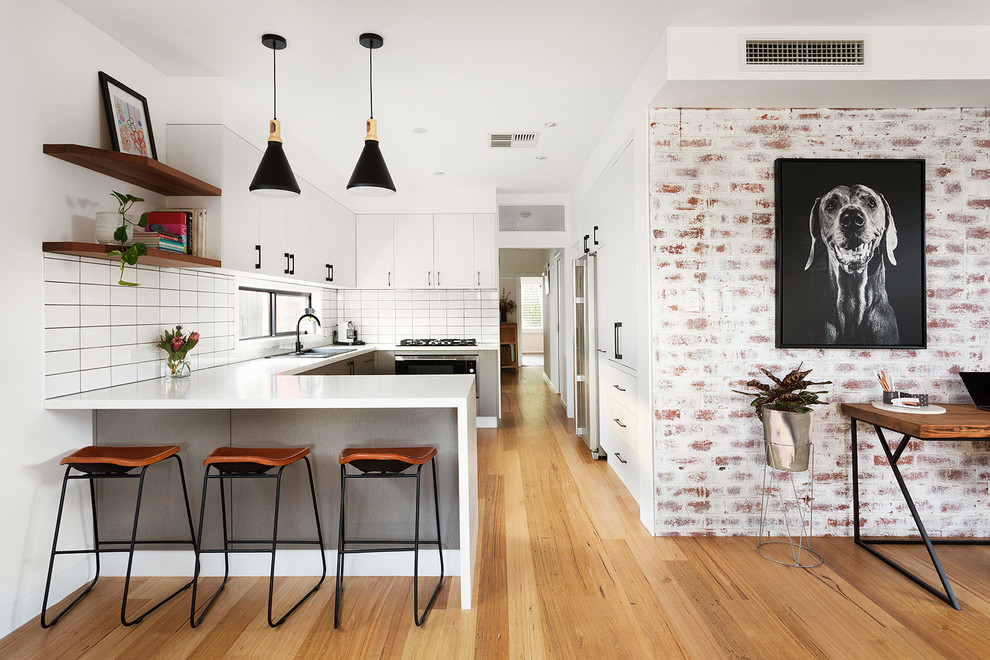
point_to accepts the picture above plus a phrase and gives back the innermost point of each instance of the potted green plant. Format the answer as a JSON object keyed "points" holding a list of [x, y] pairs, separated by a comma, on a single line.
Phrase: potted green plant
{"points": [[128, 254], [506, 306], [784, 407]]}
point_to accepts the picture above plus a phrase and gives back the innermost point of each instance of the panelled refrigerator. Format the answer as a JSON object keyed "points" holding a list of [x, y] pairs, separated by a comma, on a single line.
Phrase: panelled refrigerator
{"points": [[586, 351]]}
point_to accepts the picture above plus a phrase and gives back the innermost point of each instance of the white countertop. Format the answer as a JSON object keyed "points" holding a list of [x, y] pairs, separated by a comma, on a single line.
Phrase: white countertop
{"points": [[275, 383]]}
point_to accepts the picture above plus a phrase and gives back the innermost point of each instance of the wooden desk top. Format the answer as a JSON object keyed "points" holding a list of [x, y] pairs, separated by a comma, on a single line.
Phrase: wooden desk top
{"points": [[958, 421]]}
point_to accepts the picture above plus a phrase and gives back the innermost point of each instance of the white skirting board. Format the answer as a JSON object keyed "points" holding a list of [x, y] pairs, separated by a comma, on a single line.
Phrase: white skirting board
{"points": [[487, 422], [289, 563]]}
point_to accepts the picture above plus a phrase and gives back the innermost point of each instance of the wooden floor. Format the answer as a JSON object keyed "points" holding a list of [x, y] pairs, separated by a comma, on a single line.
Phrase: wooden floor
{"points": [[565, 570]]}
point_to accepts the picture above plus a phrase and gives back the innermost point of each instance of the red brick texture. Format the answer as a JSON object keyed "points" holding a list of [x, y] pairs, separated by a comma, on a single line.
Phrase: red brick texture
{"points": [[712, 291]]}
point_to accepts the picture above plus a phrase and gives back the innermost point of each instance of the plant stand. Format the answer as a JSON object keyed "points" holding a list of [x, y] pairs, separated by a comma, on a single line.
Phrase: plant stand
{"points": [[798, 551]]}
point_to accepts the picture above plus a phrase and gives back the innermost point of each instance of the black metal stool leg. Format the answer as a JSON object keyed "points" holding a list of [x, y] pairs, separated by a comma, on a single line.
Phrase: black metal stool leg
{"points": [[319, 532], [193, 621], [436, 501], [338, 589], [51, 563], [130, 553]]}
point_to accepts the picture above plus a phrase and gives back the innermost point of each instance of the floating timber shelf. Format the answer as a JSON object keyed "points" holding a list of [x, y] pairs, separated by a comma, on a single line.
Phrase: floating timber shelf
{"points": [[154, 257], [142, 171]]}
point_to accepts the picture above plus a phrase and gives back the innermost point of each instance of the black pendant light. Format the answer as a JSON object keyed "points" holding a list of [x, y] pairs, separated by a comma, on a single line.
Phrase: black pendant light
{"points": [[274, 177], [370, 176]]}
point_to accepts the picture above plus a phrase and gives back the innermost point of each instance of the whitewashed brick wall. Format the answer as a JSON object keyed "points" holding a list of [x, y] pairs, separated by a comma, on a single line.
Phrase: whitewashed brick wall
{"points": [[712, 279]]}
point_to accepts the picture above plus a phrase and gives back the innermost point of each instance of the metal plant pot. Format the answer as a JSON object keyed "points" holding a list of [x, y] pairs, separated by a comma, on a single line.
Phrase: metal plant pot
{"points": [[787, 437]]}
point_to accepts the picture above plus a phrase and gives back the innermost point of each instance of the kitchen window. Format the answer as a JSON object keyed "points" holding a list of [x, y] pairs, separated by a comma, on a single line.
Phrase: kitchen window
{"points": [[531, 307], [270, 313]]}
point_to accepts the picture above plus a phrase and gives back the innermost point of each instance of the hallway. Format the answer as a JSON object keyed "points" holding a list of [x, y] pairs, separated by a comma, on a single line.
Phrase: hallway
{"points": [[565, 570]]}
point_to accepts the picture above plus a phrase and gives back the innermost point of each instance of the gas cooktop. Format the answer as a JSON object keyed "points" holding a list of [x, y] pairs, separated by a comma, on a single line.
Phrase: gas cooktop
{"points": [[438, 342]]}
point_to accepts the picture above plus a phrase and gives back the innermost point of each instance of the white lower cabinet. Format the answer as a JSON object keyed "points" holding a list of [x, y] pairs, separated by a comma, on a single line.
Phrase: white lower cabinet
{"points": [[619, 423]]}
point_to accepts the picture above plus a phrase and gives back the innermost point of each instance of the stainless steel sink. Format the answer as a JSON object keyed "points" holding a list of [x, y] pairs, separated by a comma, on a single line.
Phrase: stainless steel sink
{"points": [[319, 353]]}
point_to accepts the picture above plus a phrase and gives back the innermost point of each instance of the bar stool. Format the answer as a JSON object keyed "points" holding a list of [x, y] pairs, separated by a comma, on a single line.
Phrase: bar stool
{"points": [[253, 463], [100, 462], [388, 463]]}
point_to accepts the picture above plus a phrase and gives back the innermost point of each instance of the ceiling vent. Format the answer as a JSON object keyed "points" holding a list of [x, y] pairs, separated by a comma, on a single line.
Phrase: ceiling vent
{"points": [[809, 53], [514, 140]]}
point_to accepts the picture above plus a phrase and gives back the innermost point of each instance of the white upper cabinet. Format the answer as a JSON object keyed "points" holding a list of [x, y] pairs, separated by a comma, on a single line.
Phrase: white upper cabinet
{"points": [[331, 242], [253, 233], [375, 259], [485, 252], [422, 251], [413, 251], [453, 251], [610, 204], [240, 211]]}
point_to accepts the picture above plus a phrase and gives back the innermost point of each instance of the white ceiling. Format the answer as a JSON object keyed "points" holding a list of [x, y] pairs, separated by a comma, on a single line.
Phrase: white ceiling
{"points": [[456, 68]]}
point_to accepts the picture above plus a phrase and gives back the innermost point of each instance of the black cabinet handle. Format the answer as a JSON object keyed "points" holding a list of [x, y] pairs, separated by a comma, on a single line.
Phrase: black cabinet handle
{"points": [[258, 248], [429, 278], [329, 272], [586, 248], [618, 421], [595, 234], [389, 278], [438, 278], [621, 389], [292, 268], [618, 355], [286, 271], [479, 278], [621, 460]]}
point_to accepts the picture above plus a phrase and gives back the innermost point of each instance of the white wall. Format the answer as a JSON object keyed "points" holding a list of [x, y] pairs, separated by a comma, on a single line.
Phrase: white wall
{"points": [[630, 118], [51, 95]]}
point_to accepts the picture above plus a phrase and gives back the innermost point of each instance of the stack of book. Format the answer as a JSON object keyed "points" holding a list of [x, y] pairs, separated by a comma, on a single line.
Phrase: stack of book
{"points": [[178, 230]]}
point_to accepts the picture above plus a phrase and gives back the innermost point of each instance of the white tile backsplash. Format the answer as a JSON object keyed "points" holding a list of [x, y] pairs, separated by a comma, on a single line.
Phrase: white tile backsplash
{"points": [[386, 316], [98, 333]]}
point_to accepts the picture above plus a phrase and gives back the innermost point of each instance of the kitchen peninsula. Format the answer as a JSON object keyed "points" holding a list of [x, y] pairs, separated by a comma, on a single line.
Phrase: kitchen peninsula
{"points": [[273, 402]]}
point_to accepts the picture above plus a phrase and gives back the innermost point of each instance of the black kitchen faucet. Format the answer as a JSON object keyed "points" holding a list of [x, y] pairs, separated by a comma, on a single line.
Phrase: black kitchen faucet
{"points": [[310, 313]]}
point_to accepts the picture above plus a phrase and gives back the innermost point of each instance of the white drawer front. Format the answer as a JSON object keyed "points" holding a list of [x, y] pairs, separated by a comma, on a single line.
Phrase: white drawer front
{"points": [[621, 421], [618, 385], [622, 461]]}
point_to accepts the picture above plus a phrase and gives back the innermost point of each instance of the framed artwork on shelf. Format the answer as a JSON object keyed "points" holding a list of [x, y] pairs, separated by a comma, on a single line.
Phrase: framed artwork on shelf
{"points": [[128, 118], [850, 253]]}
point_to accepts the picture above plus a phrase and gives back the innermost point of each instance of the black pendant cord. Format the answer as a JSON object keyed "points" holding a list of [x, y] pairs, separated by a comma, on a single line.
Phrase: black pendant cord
{"points": [[371, 80], [274, 85]]}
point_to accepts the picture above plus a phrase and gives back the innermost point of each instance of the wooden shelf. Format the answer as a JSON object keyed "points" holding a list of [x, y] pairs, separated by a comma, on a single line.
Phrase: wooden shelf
{"points": [[509, 346], [154, 257], [142, 171]]}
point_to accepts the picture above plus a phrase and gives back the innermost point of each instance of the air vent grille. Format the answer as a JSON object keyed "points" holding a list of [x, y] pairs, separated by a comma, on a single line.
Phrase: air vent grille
{"points": [[805, 52], [513, 140]]}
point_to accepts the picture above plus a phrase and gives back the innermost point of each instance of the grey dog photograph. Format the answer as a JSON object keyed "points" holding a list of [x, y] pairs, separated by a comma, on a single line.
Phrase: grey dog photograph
{"points": [[850, 253]]}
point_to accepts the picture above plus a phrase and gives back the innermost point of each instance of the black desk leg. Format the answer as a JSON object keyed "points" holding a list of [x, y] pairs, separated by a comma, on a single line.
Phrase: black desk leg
{"points": [[855, 470], [892, 457]]}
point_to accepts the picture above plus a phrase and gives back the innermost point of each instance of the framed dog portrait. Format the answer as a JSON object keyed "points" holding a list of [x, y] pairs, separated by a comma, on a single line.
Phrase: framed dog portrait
{"points": [[127, 118], [850, 253]]}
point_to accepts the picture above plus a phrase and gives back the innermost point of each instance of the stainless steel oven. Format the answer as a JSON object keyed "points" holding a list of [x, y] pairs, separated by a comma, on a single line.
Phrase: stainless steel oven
{"points": [[437, 364]]}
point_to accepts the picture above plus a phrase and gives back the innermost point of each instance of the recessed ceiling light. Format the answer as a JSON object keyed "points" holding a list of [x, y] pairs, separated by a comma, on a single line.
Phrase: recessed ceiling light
{"points": [[420, 130], [541, 158], [439, 173], [551, 124]]}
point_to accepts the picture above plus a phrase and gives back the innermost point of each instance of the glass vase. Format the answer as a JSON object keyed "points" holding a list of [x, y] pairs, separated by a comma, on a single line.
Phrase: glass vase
{"points": [[176, 368]]}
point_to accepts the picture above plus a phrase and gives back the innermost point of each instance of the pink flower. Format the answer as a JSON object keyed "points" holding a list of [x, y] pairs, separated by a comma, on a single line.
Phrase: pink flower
{"points": [[194, 336], [176, 343]]}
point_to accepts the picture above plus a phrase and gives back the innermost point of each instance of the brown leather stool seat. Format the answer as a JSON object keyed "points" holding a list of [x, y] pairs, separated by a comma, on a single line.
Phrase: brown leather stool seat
{"points": [[386, 459], [104, 462], [117, 459], [388, 463], [253, 463], [254, 459]]}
